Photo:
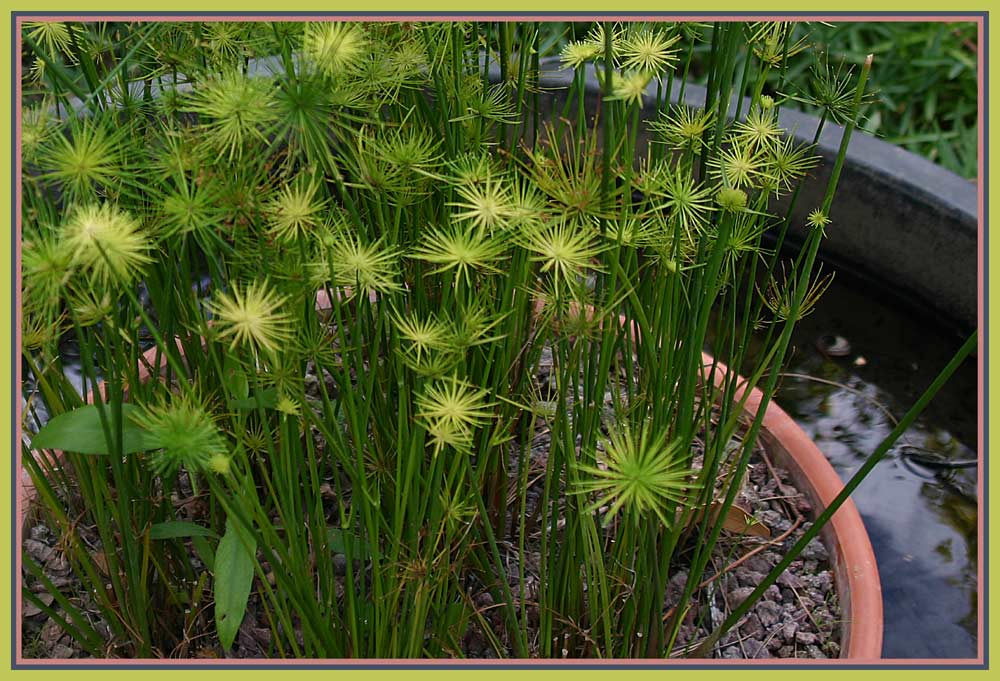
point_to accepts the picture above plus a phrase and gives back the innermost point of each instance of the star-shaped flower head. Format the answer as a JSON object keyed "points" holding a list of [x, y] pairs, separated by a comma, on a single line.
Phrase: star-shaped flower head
{"points": [[107, 242], [640, 472], [252, 317]]}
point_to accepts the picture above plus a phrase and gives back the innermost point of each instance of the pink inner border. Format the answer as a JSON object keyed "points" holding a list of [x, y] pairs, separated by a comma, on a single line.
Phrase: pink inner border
{"points": [[979, 20]]}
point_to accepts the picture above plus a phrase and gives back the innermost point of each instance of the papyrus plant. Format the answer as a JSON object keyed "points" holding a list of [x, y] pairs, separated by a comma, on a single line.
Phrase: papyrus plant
{"points": [[397, 211]]}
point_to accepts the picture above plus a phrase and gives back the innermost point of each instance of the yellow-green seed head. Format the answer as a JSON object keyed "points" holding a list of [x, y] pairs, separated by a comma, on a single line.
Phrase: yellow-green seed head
{"points": [[181, 433], [732, 200], [294, 212], [252, 317], [220, 463], [642, 472], [335, 47], [576, 54], [818, 219], [107, 242]]}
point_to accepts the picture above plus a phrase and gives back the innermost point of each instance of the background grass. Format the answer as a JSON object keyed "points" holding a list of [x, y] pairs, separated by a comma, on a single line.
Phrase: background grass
{"points": [[925, 75]]}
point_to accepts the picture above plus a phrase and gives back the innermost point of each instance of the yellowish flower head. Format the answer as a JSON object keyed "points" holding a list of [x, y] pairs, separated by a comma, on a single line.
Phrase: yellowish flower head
{"points": [[732, 200], [219, 463], [631, 86], [649, 51], [335, 47], [294, 212], [286, 405], [578, 53], [107, 242], [642, 472], [452, 410], [252, 317]]}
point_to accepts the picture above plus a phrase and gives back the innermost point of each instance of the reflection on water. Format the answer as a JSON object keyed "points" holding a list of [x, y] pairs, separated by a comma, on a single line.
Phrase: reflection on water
{"points": [[922, 519]]}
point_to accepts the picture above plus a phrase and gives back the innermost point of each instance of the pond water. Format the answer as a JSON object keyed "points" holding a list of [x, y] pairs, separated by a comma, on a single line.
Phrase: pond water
{"points": [[921, 515]]}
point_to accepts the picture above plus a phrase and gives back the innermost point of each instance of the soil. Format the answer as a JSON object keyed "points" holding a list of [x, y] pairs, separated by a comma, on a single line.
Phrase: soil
{"points": [[799, 617]]}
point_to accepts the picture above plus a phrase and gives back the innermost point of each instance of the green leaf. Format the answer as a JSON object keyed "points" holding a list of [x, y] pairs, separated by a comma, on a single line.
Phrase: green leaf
{"points": [[179, 528], [80, 431], [204, 551], [338, 539], [235, 378], [234, 563], [268, 398]]}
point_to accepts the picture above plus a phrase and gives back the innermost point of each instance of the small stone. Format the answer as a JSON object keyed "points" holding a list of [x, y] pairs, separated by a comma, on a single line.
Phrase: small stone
{"points": [[61, 581], [769, 613], [57, 564], [61, 652], [732, 653], [30, 609], [815, 550], [831, 648], [789, 630], [814, 653], [790, 579], [824, 582], [311, 382], [245, 639], [751, 628], [786, 652], [51, 632], [484, 600], [39, 532], [756, 650], [339, 564], [772, 557], [806, 638], [759, 564], [747, 577], [38, 551], [773, 593], [737, 596]]}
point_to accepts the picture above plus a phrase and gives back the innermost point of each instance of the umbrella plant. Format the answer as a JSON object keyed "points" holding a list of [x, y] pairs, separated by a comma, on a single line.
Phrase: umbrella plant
{"points": [[346, 252]]}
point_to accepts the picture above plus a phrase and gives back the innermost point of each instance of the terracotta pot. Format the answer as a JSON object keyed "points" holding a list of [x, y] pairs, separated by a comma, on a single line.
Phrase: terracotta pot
{"points": [[852, 558], [855, 571]]}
